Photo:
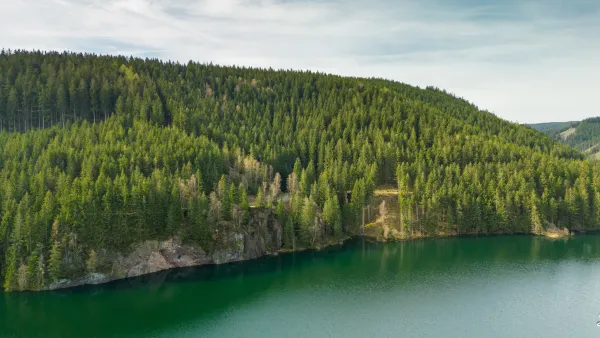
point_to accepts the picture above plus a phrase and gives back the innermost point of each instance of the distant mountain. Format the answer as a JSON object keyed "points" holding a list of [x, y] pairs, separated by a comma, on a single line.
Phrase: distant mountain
{"points": [[583, 136]]}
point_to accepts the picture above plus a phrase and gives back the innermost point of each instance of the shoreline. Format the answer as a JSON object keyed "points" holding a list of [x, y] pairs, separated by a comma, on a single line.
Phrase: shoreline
{"points": [[96, 279]]}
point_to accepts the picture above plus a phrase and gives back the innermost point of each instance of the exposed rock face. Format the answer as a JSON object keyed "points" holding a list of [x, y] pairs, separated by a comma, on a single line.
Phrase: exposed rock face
{"points": [[153, 263], [254, 246], [262, 236], [230, 248], [90, 279], [276, 231], [177, 255], [154, 256]]}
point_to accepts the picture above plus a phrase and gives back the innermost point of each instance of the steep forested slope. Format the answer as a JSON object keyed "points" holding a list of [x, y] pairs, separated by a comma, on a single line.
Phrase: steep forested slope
{"points": [[99, 153]]}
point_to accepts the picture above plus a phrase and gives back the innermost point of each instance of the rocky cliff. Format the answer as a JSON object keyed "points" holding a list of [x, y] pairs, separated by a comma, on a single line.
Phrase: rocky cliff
{"points": [[262, 236]]}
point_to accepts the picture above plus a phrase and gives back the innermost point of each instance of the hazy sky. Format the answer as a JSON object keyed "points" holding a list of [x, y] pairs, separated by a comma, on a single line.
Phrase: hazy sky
{"points": [[526, 61]]}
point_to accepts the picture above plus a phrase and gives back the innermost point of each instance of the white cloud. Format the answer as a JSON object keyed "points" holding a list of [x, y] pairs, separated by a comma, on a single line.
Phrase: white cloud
{"points": [[524, 61]]}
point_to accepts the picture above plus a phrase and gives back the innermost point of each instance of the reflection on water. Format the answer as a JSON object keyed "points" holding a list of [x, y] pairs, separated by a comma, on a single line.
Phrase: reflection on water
{"points": [[202, 298]]}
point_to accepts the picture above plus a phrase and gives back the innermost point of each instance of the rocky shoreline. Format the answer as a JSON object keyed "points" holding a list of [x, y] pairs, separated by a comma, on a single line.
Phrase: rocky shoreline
{"points": [[262, 239], [149, 257]]}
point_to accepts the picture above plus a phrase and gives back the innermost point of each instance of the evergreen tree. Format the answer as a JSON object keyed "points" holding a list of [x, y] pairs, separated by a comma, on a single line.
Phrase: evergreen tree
{"points": [[332, 215], [308, 222]]}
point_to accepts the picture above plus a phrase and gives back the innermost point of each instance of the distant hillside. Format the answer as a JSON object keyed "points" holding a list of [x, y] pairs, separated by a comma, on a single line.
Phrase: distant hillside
{"points": [[551, 126], [583, 136]]}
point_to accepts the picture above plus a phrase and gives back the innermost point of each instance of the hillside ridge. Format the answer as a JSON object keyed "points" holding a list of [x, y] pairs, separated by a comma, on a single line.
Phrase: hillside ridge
{"points": [[101, 154]]}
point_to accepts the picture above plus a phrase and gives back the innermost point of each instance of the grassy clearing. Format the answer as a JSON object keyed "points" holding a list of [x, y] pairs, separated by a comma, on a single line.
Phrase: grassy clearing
{"points": [[565, 134], [387, 191]]}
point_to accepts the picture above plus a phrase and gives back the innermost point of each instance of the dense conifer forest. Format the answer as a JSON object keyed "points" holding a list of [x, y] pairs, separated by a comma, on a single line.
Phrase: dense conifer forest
{"points": [[102, 152]]}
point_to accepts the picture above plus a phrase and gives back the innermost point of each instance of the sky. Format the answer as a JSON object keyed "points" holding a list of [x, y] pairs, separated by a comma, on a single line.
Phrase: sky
{"points": [[524, 60]]}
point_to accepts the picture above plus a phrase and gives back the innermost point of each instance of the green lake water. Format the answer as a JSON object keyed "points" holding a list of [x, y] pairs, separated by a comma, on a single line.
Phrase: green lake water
{"points": [[510, 286]]}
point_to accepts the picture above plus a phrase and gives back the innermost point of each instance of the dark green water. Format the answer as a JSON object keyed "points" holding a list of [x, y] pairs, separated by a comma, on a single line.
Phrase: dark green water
{"points": [[470, 287]]}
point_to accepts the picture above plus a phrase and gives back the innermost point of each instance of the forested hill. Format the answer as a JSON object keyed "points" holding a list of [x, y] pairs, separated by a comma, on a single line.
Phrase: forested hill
{"points": [[99, 153], [583, 136]]}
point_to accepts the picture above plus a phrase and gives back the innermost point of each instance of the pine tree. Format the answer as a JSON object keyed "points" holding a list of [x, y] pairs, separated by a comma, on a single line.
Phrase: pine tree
{"points": [[244, 204], [33, 277], [308, 222], [358, 201], [260, 201], [332, 215], [55, 262], [174, 216], [10, 273]]}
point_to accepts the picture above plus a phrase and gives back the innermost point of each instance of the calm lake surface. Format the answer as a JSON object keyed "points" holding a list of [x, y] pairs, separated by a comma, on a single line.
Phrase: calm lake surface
{"points": [[515, 286]]}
